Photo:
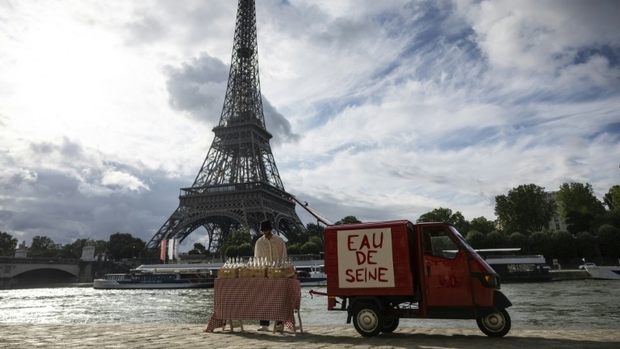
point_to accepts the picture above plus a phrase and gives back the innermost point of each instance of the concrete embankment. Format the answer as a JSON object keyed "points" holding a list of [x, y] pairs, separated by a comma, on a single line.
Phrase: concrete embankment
{"points": [[192, 336], [559, 275]]}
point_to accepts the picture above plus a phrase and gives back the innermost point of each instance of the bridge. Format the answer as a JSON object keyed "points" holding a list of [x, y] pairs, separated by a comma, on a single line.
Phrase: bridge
{"points": [[29, 271]]}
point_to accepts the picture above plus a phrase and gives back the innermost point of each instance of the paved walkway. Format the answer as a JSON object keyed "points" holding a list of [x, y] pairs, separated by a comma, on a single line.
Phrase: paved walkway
{"points": [[191, 336]]}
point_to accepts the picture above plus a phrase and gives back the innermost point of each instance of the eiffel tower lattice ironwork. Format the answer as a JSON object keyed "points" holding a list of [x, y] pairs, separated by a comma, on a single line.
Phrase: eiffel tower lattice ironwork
{"points": [[238, 185]]}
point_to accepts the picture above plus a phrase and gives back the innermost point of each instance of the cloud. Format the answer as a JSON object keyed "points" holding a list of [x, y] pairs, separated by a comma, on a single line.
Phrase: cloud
{"points": [[125, 181], [379, 109], [198, 88]]}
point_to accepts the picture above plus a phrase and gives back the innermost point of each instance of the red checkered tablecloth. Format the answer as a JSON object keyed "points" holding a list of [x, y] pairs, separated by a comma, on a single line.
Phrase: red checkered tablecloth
{"points": [[273, 299]]}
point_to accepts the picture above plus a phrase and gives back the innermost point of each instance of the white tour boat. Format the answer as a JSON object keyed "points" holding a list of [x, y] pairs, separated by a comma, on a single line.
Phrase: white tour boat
{"points": [[606, 273]]}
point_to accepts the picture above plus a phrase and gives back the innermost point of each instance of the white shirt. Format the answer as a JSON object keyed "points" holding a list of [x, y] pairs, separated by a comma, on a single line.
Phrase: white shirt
{"points": [[273, 249]]}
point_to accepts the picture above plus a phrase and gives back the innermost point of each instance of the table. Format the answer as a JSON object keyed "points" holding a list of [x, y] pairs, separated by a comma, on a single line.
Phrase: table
{"points": [[274, 299]]}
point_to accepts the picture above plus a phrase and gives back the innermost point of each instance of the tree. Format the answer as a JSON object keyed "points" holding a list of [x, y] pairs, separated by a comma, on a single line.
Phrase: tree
{"points": [[612, 198], [609, 240], [42, 246], [445, 215], [586, 243], [236, 238], [578, 206], [482, 225], [73, 250], [475, 239], [293, 249], [198, 249], [315, 230], [243, 250], [525, 209], [124, 245], [8, 244], [310, 248], [495, 240], [518, 240], [101, 248], [562, 245], [540, 243], [348, 220]]}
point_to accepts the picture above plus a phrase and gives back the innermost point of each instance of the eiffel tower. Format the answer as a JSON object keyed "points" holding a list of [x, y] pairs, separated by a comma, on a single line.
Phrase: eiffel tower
{"points": [[238, 185]]}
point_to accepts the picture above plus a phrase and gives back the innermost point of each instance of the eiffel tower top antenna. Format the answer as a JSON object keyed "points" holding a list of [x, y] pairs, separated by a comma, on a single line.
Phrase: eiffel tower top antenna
{"points": [[238, 184]]}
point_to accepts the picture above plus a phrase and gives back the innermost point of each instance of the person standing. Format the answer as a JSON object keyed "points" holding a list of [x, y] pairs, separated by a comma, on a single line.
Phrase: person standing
{"points": [[272, 248]]}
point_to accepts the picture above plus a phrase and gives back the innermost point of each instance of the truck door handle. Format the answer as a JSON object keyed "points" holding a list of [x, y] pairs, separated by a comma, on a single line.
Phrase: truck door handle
{"points": [[428, 270]]}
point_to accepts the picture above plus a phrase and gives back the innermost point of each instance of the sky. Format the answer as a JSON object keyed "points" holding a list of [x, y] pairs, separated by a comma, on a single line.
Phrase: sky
{"points": [[379, 109]]}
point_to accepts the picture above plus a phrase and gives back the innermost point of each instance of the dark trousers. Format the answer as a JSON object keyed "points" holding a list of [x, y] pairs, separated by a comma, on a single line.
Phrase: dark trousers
{"points": [[266, 323]]}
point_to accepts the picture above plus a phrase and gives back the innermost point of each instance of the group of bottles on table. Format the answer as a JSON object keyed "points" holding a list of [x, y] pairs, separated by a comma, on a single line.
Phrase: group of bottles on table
{"points": [[255, 263]]}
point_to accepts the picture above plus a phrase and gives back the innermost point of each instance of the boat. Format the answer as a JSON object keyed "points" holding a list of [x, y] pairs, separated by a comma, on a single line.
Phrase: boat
{"points": [[513, 267], [311, 275], [605, 273], [160, 276]]}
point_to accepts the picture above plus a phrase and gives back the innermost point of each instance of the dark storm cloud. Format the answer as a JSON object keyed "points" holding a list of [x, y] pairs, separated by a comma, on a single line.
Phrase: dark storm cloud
{"points": [[278, 125], [59, 193], [198, 88]]}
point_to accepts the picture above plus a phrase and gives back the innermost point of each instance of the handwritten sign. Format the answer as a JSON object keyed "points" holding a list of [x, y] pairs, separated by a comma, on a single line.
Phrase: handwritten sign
{"points": [[365, 258]]}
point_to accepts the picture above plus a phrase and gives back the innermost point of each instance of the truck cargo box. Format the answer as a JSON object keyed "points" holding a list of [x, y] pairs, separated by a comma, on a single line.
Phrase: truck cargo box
{"points": [[370, 259]]}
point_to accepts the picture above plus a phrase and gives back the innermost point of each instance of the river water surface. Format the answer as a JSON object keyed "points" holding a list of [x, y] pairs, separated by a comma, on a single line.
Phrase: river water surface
{"points": [[579, 304]]}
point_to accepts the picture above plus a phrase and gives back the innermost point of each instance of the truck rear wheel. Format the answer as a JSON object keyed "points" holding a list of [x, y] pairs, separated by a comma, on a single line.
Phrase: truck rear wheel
{"points": [[390, 324], [367, 319], [495, 324]]}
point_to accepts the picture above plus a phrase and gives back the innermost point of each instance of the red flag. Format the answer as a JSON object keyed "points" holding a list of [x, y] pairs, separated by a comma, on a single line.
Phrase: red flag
{"points": [[162, 253]]}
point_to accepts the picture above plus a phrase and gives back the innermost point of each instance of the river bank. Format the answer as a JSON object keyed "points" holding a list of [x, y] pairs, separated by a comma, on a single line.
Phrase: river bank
{"points": [[152, 336]]}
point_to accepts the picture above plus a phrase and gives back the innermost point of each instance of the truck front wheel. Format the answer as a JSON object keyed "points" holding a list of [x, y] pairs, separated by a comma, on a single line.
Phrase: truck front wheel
{"points": [[495, 324], [367, 319]]}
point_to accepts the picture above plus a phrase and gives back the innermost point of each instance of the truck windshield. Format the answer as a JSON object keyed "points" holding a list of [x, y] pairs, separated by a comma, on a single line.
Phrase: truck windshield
{"points": [[462, 240]]}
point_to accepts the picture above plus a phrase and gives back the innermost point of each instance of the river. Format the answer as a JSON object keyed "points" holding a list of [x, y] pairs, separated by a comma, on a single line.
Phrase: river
{"points": [[579, 304]]}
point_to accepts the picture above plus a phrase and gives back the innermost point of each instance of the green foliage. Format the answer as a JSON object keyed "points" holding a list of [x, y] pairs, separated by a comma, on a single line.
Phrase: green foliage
{"points": [[231, 251], [317, 241], [73, 250], [310, 248], [124, 245], [562, 245], [475, 239], [495, 240], [237, 238], [198, 249], [293, 249], [578, 206], [609, 240], [348, 220], [243, 250], [586, 245], [8, 244], [540, 243], [101, 248], [445, 215], [246, 249], [316, 231], [610, 217], [482, 225], [42, 246], [518, 240], [525, 209], [612, 198]]}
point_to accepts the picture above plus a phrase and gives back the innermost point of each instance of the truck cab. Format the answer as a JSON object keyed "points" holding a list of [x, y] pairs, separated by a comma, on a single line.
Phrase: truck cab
{"points": [[383, 271]]}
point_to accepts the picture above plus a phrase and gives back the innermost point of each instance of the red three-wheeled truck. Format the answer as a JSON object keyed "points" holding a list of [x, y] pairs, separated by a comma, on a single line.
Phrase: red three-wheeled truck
{"points": [[382, 272]]}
